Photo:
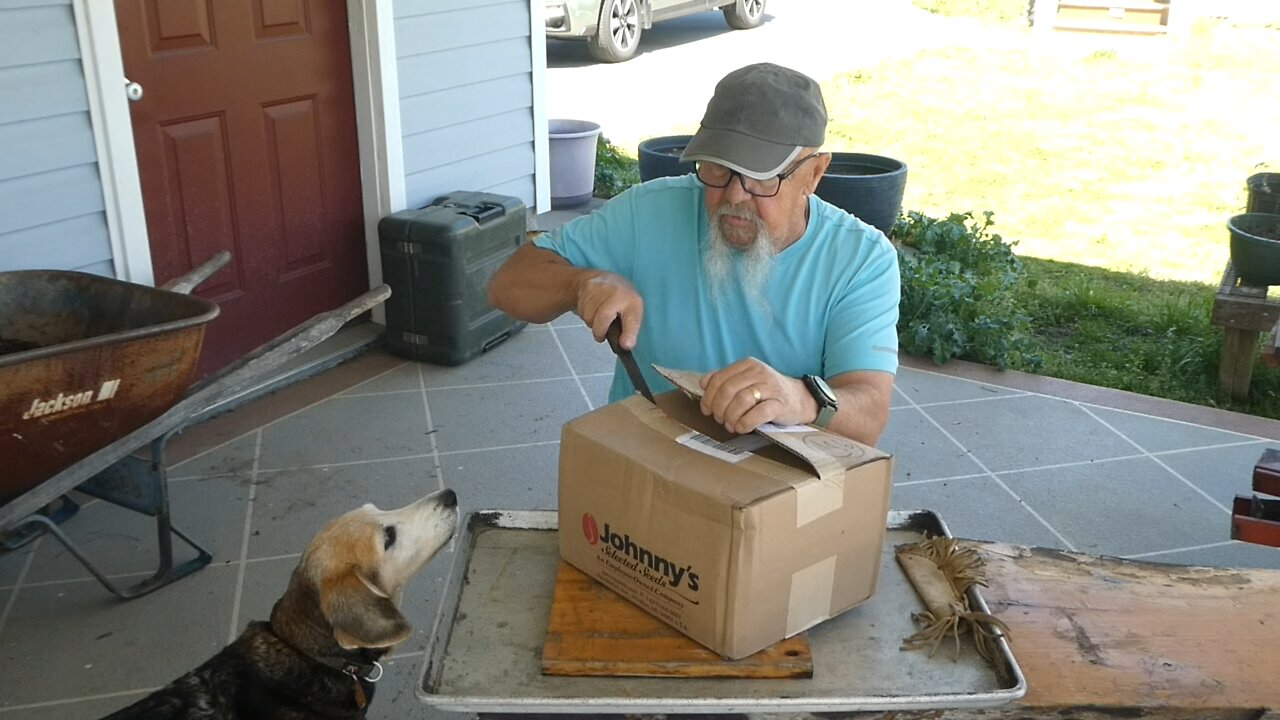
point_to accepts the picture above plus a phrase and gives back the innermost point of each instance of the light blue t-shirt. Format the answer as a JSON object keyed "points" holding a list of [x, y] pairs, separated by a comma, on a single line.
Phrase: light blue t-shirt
{"points": [[832, 295]]}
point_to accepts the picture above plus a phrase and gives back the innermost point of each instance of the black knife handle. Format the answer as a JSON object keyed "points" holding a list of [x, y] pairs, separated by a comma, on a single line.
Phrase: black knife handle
{"points": [[614, 336]]}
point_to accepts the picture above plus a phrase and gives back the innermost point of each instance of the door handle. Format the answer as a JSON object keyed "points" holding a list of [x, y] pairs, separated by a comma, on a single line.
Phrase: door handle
{"points": [[132, 90]]}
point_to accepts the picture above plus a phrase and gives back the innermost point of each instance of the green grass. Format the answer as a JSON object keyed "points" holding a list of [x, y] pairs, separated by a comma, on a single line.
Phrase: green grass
{"points": [[1133, 333], [1129, 157]]}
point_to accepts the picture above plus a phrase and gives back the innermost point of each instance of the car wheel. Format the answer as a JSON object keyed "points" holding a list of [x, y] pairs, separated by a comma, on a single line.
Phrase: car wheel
{"points": [[744, 14], [617, 32]]}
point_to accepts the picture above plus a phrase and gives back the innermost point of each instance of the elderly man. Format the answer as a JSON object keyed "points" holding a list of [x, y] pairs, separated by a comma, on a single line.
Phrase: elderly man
{"points": [[788, 304]]}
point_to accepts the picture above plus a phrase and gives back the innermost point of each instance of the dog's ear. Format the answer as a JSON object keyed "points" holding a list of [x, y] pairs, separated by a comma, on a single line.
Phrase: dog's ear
{"points": [[360, 615]]}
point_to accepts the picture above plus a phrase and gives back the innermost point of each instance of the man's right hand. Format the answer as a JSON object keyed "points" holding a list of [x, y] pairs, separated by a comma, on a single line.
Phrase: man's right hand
{"points": [[603, 296]]}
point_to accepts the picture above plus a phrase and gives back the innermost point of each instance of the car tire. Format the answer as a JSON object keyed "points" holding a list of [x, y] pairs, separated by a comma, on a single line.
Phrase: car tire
{"points": [[617, 31], [744, 14]]}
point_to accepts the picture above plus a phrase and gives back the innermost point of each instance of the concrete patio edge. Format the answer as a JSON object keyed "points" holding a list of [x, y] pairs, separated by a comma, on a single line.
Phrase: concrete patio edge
{"points": [[1101, 396]]}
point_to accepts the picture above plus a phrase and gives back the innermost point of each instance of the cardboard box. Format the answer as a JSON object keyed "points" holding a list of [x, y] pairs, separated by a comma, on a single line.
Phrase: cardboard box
{"points": [[738, 550]]}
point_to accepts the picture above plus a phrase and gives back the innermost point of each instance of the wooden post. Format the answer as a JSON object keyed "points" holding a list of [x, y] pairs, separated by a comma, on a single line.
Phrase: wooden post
{"points": [[1236, 366], [1043, 13], [1243, 312]]}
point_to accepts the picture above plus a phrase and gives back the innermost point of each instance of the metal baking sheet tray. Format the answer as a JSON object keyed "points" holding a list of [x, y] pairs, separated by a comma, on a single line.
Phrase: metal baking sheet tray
{"points": [[485, 656]]}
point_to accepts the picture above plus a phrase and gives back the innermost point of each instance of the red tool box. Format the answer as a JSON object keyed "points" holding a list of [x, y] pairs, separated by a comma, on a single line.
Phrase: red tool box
{"points": [[1256, 519]]}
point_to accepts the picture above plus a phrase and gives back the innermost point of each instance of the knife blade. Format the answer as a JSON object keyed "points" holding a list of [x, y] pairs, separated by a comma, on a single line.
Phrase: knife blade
{"points": [[627, 359]]}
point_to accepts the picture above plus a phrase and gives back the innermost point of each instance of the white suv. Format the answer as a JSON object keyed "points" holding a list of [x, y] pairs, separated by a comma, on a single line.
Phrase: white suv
{"points": [[612, 27]]}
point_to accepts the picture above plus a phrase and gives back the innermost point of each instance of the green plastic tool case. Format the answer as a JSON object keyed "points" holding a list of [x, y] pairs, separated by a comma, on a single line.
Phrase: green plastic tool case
{"points": [[438, 261]]}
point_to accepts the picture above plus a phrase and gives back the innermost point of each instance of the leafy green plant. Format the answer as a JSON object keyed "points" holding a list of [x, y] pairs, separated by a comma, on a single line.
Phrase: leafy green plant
{"points": [[958, 280], [615, 171]]}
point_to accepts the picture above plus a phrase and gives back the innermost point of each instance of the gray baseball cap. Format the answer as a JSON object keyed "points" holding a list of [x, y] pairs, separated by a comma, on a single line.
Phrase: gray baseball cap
{"points": [[759, 118]]}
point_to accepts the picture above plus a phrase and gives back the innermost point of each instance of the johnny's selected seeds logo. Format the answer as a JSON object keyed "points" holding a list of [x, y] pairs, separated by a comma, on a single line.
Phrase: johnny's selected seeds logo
{"points": [[620, 545]]}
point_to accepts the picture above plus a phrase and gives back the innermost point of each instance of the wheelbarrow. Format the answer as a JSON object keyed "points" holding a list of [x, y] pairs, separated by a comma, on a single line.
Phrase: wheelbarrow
{"points": [[95, 378]]}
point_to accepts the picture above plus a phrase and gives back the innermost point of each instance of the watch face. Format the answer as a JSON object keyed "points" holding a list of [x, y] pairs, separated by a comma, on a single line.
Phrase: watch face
{"points": [[822, 391]]}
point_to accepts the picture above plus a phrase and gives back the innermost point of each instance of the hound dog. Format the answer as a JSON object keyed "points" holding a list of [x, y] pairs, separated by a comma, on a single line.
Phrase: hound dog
{"points": [[318, 655]]}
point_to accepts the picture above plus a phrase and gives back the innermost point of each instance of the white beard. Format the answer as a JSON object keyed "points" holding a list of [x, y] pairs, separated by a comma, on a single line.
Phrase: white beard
{"points": [[749, 268]]}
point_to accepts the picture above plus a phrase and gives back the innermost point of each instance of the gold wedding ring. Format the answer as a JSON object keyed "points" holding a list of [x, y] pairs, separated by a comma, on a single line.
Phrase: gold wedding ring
{"points": [[755, 393]]}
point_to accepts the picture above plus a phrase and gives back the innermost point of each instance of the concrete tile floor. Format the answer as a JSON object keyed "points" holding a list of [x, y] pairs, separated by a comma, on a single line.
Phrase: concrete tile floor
{"points": [[999, 456]]}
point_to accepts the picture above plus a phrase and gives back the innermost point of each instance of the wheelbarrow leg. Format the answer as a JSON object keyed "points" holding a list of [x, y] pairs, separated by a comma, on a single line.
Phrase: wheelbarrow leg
{"points": [[141, 485], [57, 511], [165, 574]]}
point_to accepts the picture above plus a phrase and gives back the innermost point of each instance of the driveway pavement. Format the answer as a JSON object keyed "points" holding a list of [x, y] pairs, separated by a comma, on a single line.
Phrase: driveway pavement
{"points": [[665, 88]]}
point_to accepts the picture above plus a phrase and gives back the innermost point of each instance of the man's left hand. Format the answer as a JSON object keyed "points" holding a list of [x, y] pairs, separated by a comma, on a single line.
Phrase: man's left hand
{"points": [[749, 393]]}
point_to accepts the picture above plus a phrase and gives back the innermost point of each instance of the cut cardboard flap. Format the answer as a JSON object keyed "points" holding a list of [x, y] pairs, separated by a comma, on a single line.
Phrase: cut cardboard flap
{"points": [[830, 455]]}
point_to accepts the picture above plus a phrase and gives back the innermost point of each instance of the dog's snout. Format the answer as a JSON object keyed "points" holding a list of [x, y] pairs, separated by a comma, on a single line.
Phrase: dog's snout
{"points": [[449, 498]]}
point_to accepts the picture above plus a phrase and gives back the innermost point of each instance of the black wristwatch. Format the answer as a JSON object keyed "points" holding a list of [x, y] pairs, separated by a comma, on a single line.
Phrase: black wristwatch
{"points": [[825, 398]]}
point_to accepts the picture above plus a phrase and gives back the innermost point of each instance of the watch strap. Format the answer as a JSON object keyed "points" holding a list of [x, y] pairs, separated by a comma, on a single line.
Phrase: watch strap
{"points": [[826, 402]]}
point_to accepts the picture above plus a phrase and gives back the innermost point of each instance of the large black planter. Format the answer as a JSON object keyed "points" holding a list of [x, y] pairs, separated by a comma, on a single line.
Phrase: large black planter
{"points": [[1264, 193], [868, 187], [660, 157], [1255, 248]]}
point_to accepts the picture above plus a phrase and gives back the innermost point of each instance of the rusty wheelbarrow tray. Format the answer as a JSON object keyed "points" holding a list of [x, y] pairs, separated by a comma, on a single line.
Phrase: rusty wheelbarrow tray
{"points": [[118, 391], [89, 360]]}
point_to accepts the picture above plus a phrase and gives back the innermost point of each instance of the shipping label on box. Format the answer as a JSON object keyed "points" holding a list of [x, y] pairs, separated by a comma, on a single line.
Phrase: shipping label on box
{"points": [[735, 548]]}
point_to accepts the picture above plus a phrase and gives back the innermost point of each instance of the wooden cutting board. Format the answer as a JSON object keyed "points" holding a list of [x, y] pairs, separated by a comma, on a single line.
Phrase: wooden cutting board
{"points": [[594, 631]]}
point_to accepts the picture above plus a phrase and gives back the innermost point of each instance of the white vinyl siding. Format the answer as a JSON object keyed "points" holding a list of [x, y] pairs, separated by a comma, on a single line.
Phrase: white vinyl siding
{"points": [[51, 206], [466, 97]]}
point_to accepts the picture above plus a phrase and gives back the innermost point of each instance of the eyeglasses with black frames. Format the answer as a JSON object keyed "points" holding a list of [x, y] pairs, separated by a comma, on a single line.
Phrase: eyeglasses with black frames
{"points": [[713, 174]]}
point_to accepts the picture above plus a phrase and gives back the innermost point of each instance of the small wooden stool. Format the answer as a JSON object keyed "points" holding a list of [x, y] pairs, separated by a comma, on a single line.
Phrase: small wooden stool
{"points": [[1243, 311]]}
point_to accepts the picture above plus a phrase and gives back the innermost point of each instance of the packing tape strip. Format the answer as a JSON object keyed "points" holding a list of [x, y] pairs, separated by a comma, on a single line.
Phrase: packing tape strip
{"points": [[817, 498], [810, 600]]}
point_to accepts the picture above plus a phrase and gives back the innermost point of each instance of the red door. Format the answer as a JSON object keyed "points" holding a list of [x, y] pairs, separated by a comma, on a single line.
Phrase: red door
{"points": [[246, 141]]}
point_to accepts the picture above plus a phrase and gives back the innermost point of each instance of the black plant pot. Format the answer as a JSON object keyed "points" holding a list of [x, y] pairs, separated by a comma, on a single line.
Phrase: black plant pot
{"points": [[868, 187], [1255, 248], [660, 157], [1264, 193]]}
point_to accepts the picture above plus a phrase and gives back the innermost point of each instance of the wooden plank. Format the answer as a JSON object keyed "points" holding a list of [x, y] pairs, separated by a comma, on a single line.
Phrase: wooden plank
{"points": [[1104, 639], [1107, 27], [594, 631], [1103, 632], [1244, 313]]}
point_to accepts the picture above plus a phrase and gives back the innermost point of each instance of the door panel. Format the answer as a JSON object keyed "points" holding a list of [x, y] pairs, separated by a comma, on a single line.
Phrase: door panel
{"points": [[293, 155], [195, 158], [246, 141]]}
